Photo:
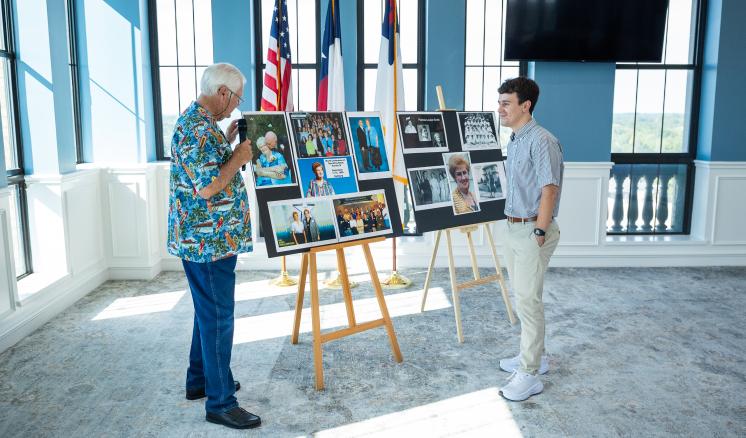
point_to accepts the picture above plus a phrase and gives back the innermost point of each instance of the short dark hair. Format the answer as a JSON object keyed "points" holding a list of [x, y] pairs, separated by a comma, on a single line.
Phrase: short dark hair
{"points": [[525, 88]]}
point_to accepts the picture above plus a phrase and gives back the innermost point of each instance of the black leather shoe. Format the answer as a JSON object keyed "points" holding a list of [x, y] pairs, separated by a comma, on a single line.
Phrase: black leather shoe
{"points": [[196, 394], [237, 418]]}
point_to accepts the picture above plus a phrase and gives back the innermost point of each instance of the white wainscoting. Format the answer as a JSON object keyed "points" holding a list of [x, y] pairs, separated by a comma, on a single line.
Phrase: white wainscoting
{"points": [[110, 223]]}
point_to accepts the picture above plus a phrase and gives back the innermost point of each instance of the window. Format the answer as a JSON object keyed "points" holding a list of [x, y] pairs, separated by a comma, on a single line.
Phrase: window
{"points": [[485, 67], [305, 46], [654, 132], [181, 49], [411, 15], [18, 214]]}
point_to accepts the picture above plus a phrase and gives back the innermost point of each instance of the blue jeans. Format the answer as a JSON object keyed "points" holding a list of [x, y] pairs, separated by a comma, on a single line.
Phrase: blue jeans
{"points": [[212, 285]]}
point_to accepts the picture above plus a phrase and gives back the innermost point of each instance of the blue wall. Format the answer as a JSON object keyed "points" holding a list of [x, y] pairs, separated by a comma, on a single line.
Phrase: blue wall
{"points": [[445, 52], [576, 103], [722, 131], [233, 41]]}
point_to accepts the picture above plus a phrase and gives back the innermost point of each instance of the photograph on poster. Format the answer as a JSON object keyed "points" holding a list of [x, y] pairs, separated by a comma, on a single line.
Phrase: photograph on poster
{"points": [[490, 179], [272, 164], [422, 132], [299, 223], [464, 193], [321, 134], [368, 145], [478, 130], [327, 176], [430, 188], [362, 215]]}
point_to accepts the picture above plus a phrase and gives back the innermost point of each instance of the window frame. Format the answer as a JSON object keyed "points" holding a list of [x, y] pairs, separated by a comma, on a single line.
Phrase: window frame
{"points": [[663, 158], [16, 176], [259, 55], [72, 41], [522, 65], [156, 81], [419, 65]]}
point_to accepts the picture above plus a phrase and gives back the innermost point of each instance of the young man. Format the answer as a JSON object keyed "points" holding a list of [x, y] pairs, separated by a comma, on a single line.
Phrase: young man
{"points": [[196, 189], [534, 170]]}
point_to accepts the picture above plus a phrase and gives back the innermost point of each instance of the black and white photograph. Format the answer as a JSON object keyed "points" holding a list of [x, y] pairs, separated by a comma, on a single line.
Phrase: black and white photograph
{"points": [[430, 187], [422, 132], [272, 164], [299, 223], [490, 179], [478, 130], [319, 134], [362, 215], [464, 193]]}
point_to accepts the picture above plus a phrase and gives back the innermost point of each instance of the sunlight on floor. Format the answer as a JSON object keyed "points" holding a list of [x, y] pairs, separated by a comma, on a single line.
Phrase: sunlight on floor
{"points": [[141, 305], [479, 414], [275, 325]]}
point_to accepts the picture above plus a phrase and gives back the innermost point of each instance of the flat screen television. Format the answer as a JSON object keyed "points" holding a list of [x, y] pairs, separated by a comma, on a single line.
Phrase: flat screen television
{"points": [[585, 30]]}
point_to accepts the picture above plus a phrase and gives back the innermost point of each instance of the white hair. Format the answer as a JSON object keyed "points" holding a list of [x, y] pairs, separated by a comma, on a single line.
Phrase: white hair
{"points": [[218, 75]]}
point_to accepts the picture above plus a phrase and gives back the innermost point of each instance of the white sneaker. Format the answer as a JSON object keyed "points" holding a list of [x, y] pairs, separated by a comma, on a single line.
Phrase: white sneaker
{"points": [[514, 364], [521, 386]]}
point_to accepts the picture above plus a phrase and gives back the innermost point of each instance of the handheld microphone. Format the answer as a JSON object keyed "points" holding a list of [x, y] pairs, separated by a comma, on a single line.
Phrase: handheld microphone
{"points": [[242, 128]]}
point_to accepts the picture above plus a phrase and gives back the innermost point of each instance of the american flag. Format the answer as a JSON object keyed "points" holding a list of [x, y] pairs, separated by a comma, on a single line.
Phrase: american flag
{"points": [[277, 94]]}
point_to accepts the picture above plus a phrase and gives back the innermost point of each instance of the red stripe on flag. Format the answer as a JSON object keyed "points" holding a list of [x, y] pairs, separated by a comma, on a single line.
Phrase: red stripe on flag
{"points": [[323, 94]]}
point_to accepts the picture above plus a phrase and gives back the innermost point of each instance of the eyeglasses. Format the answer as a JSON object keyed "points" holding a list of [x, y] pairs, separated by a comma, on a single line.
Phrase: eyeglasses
{"points": [[240, 100]]}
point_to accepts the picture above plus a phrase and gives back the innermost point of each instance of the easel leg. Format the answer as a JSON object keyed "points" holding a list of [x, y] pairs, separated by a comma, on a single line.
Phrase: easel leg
{"points": [[454, 291], [382, 303], [500, 278], [316, 322], [473, 256], [430, 270], [345, 286], [299, 298]]}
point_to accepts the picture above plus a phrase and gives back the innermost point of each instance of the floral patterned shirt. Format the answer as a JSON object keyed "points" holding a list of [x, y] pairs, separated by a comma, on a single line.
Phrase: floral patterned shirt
{"points": [[201, 230]]}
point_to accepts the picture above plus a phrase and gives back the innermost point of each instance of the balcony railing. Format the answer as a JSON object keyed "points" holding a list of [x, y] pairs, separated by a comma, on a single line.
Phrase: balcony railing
{"points": [[647, 199]]}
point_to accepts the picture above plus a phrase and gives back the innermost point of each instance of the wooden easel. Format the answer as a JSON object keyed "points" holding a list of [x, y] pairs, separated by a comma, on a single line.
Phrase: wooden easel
{"points": [[456, 288], [308, 266]]}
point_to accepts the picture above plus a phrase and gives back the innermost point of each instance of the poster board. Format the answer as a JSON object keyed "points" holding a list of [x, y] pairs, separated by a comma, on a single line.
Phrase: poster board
{"points": [[321, 180], [455, 167]]}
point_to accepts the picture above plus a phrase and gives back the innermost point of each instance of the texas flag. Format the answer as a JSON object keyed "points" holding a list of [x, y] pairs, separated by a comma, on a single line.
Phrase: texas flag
{"points": [[389, 88], [331, 85]]}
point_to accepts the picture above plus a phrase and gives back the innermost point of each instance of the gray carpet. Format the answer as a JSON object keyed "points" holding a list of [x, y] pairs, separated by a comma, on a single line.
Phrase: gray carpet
{"points": [[633, 352]]}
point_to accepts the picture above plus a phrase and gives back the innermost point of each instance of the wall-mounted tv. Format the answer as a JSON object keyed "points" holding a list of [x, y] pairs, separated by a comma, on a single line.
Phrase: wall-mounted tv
{"points": [[585, 30]]}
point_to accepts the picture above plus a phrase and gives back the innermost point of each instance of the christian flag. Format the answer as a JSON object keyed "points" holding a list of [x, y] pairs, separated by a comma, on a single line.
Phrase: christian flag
{"points": [[277, 94], [389, 89], [331, 85]]}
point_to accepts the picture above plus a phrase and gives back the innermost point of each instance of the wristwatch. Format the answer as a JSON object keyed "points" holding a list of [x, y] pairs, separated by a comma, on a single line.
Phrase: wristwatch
{"points": [[539, 232]]}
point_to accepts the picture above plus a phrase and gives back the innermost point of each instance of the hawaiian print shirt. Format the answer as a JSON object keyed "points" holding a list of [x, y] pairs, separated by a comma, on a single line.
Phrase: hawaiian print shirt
{"points": [[202, 230]]}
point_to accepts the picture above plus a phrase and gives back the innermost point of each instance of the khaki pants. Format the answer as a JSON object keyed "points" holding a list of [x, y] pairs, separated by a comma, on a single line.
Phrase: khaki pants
{"points": [[527, 262]]}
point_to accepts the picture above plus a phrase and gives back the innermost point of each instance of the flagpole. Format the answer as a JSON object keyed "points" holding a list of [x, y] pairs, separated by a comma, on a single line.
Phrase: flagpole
{"points": [[396, 280], [284, 280]]}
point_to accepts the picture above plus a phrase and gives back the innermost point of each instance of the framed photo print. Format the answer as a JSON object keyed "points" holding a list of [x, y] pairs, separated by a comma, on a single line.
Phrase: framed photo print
{"points": [[362, 215], [422, 132], [368, 145], [302, 223], [273, 163], [490, 180], [464, 192], [478, 130], [430, 187]]}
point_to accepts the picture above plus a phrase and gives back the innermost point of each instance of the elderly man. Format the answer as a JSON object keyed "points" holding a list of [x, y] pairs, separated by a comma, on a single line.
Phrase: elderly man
{"points": [[208, 226], [534, 172]]}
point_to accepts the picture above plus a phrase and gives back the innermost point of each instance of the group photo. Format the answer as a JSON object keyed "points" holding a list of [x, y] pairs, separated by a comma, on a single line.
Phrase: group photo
{"points": [[362, 215], [478, 130], [430, 187], [319, 134]]}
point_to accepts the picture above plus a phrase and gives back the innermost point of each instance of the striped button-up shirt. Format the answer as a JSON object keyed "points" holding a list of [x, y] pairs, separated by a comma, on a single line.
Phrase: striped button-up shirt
{"points": [[534, 161]]}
